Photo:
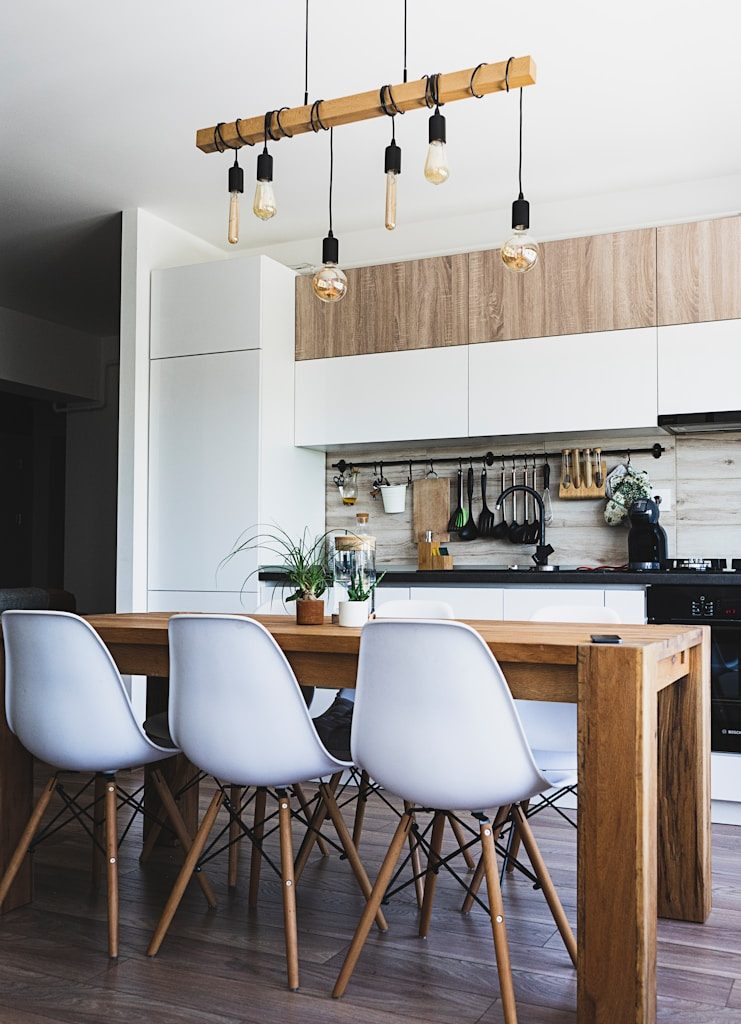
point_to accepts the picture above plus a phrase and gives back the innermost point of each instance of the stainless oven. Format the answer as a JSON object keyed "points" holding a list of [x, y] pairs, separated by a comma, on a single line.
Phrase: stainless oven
{"points": [[720, 608]]}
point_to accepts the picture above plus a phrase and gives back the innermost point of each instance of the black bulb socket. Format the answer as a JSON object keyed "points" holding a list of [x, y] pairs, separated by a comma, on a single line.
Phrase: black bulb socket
{"points": [[264, 166], [330, 249], [521, 213], [392, 161], [236, 178], [437, 127]]}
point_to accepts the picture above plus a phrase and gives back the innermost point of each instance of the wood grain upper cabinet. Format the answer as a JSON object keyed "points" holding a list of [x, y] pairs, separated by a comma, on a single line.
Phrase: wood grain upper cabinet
{"points": [[388, 308], [598, 283], [699, 271]]}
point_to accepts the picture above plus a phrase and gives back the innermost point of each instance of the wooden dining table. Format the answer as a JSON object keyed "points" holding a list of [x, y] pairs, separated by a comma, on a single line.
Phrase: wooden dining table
{"points": [[644, 772]]}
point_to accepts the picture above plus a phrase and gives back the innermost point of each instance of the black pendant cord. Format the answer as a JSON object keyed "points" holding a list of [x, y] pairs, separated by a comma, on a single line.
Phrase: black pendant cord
{"points": [[519, 168], [506, 85], [331, 174], [306, 57], [405, 40]]}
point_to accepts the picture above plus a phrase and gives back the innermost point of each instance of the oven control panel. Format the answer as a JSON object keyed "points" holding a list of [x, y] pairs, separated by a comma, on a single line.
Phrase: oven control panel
{"points": [[702, 607]]}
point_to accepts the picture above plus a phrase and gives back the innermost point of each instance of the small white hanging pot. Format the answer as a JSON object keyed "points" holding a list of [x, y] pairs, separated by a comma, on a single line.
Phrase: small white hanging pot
{"points": [[354, 613], [394, 497]]}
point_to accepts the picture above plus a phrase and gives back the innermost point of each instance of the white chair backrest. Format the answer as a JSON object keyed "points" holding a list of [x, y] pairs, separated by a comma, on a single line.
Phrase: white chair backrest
{"points": [[434, 719], [574, 613], [406, 609], [549, 725], [64, 697], [236, 709]]}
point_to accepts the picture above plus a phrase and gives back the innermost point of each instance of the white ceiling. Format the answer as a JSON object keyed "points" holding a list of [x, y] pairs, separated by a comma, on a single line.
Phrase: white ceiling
{"points": [[100, 103]]}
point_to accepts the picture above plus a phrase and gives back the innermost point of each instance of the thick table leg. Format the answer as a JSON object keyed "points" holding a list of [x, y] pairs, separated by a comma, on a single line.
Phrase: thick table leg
{"points": [[684, 851], [16, 803], [617, 837], [175, 770]]}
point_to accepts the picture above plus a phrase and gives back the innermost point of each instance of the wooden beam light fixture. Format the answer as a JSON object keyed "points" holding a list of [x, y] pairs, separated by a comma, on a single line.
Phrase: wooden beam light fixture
{"points": [[362, 106]]}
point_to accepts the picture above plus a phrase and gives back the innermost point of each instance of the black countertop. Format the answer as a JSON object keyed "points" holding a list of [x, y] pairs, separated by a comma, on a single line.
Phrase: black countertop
{"points": [[498, 575]]}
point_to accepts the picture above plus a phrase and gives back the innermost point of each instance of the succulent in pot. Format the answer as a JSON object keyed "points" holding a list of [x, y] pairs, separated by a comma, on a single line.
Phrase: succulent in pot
{"points": [[356, 609], [302, 560]]}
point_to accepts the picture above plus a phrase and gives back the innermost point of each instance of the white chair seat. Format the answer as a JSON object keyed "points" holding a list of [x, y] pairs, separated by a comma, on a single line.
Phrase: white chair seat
{"points": [[555, 760], [560, 778]]}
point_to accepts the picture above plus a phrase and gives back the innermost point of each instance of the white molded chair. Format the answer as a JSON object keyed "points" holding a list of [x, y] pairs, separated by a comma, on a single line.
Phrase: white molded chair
{"points": [[467, 750], [237, 712], [66, 702]]}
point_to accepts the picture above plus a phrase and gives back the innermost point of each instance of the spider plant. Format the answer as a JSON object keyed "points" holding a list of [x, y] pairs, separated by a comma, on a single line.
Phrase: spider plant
{"points": [[303, 559]]}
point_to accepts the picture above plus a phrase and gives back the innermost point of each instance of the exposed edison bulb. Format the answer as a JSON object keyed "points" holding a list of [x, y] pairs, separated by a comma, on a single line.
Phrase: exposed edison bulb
{"points": [[233, 233], [264, 205], [436, 164], [520, 251], [390, 200], [329, 283]]}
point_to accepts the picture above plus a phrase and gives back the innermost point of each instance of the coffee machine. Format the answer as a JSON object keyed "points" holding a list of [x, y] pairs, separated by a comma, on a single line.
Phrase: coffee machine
{"points": [[646, 539]]}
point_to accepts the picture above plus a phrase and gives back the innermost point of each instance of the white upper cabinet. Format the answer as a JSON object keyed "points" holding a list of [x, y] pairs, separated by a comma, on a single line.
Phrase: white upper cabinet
{"points": [[700, 367], [390, 396], [203, 475], [196, 309], [598, 381]]}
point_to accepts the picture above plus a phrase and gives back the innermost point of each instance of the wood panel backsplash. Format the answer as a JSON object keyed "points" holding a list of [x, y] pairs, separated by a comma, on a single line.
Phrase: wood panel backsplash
{"points": [[703, 473]]}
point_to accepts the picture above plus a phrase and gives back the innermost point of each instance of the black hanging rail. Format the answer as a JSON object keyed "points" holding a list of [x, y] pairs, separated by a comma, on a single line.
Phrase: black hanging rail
{"points": [[656, 450]]}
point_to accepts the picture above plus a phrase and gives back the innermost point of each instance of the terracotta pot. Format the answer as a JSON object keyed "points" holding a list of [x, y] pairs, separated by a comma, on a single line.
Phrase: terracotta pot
{"points": [[309, 612]]}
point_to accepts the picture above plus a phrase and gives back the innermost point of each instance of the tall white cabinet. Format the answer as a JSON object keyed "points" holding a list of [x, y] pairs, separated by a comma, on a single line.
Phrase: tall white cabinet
{"points": [[222, 458]]}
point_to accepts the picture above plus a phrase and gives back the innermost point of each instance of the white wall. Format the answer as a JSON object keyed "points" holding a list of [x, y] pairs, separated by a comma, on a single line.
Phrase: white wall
{"points": [[147, 243], [39, 354]]}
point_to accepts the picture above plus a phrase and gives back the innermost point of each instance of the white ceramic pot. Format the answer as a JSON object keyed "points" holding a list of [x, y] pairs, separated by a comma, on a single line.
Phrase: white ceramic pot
{"points": [[354, 613], [394, 497]]}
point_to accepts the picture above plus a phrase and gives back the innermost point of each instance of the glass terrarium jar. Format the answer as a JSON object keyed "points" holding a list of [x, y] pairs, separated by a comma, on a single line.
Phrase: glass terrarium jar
{"points": [[355, 555]]}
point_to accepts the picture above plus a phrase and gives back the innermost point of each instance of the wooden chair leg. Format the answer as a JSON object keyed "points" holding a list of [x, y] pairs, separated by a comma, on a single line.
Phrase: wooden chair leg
{"points": [[460, 838], [478, 875], [298, 789], [25, 841], [351, 851], [514, 847], [549, 890], [154, 829], [180, 829], [235, 835], [289, 889], [357, 828], [373, 904], [185, 873], [436, 843], [111, 849], [258, 829], [318, 819], [415, 860], [498, 927], [98, 830]]}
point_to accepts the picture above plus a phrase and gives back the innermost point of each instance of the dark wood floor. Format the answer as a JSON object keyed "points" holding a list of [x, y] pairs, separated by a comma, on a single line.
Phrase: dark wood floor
{"points": [[227, 966]]}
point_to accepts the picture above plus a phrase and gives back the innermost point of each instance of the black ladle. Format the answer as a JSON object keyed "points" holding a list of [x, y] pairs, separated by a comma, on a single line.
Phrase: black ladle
{"points": [[501, 530], [470, 530]]}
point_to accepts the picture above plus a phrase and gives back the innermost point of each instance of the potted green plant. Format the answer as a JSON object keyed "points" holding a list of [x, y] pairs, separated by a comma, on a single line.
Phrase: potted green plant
{"points": [[356, 609], [303, 560]]}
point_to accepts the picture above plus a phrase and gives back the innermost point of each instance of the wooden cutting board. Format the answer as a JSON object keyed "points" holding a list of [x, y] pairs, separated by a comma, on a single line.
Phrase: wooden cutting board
{"points": [[431, 507]]}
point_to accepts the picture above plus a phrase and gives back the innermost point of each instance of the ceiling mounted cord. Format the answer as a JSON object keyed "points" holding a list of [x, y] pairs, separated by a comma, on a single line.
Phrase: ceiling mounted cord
{"points": [[405, 39]]}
